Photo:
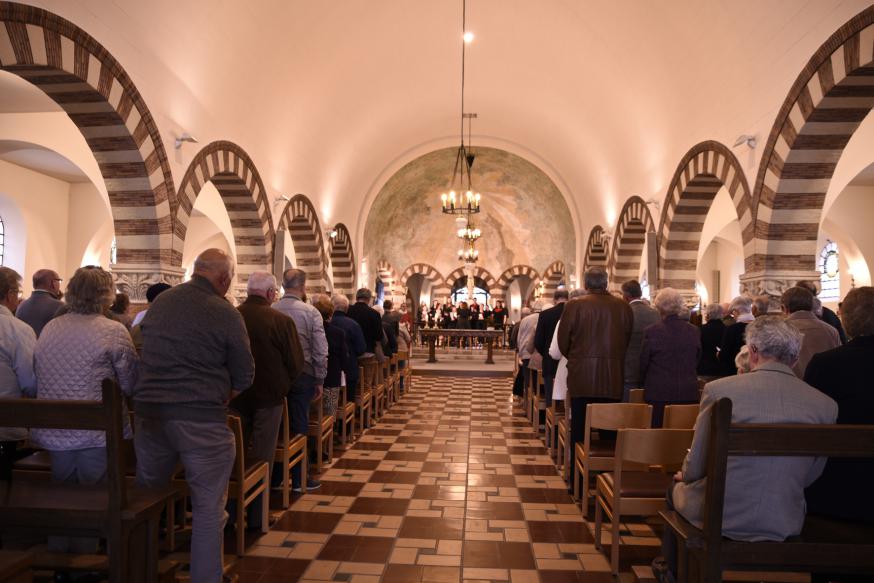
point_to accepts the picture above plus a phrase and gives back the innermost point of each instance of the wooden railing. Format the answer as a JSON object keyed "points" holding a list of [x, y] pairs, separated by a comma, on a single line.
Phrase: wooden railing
{"points": [[430, 335]]}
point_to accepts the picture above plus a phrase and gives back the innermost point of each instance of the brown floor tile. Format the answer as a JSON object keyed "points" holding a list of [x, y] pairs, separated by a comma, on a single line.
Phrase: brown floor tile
{"points": [[545, 495], [406, 456], [419, 439], [489, 458], [371, 446], [559, 532], [449, 468], [494, 480], [318, 522], [394, 478], [379, 506], [420, 574], [432, 528], [330, 488], [289, 568], [534, 470], [498, 555], [357, 549], [255, 564], [440, 492], [494, 510], [578, 577], [353, 464]]}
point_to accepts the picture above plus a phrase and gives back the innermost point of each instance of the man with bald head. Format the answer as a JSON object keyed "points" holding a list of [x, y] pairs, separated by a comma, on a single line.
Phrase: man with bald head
{"points": [[195, 357], [44, 302]]}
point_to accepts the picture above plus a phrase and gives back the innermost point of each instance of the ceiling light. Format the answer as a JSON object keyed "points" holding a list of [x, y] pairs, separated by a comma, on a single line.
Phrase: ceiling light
{"points": [[468, 37]]}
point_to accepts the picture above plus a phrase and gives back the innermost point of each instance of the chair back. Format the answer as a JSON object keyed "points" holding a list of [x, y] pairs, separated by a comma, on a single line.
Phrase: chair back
{"points": [[635, 396], [613, 416], [284, 427], [654, 447], [236, 427], [102, 415], [680, 416]]}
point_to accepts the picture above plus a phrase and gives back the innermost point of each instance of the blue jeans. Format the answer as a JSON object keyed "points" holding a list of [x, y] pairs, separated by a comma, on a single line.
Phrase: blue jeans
{"points": [[299, 412]]}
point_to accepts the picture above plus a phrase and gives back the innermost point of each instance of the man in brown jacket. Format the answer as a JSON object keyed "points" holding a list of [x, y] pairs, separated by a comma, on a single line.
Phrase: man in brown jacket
{"points": [[593, 335], [816, 335], [278, 361]]}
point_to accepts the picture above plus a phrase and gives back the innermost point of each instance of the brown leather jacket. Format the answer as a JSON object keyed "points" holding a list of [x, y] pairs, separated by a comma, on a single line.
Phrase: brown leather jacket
{"points": [[593, 335]]}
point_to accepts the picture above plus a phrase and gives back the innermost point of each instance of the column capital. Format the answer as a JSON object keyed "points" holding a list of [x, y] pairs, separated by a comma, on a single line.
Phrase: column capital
{"points": [[774, 283], [135, 280]]}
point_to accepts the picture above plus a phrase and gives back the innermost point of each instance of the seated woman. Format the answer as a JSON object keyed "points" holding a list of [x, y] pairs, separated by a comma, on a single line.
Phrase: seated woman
{"points": [[73, 355], [669, 356]]}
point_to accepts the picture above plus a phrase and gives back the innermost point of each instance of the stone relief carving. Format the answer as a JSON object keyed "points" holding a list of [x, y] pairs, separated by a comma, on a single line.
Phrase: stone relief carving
{"points": [[135, 283]]}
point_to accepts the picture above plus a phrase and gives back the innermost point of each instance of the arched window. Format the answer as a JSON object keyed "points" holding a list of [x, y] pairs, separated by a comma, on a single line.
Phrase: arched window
{"points": [[829, 273], [2, 240]]}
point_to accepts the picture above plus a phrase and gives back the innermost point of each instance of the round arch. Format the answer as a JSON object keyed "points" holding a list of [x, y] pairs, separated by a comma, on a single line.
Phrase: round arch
{"points": [[430, 274], [626, 253], [596, 248], [389, 277], [503, 284], [824, 107], [552, 278], [480, 272], [704, 169], [300, 219], [235, 177], [342, 261], [92, 87]]}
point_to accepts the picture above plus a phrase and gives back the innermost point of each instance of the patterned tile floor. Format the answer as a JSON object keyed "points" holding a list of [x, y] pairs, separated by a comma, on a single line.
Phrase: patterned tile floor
{"points": [[451, 485]]}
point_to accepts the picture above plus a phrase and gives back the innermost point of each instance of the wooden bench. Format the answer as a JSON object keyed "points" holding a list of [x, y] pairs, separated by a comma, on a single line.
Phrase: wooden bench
{"points": [[824, 545], [127, 518]]}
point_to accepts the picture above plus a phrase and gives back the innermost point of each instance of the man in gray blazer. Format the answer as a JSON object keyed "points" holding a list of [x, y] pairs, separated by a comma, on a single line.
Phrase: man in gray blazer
{"points": [[816, 335], [764, 496], [43, 303], [644, 316]]}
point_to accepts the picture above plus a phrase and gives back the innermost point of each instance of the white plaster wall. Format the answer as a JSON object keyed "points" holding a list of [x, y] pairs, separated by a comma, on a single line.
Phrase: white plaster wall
{"points": [[722, 254], [43, 204], [90, 228]]}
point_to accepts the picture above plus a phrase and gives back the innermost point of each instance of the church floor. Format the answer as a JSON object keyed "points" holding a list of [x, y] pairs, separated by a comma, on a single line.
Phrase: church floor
{"points": [[451, 485]]}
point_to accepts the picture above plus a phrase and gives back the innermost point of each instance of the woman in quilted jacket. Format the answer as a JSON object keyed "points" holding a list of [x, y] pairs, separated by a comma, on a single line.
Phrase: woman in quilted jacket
{"points": [[73, 355]]}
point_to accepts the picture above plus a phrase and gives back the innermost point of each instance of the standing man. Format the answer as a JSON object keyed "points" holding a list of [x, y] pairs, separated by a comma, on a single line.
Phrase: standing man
{"points": [[44, 302], [593, 335], [354, 340], [195, 355], [816, 335], [17, 341], [644, 316], [390, 316], [543, 334], [278, 362], [311, 335], [824, 313], [368, 319]]}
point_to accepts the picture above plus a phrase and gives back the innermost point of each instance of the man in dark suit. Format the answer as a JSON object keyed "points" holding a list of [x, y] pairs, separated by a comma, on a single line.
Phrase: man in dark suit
{"points": [[543, 334], [368, 318], [644, 317], [844, 374], [741, 309], [44, 302]]}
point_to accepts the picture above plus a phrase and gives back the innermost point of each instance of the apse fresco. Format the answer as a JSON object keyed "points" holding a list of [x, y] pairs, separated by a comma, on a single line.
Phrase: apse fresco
{"points": [[524, 217]]}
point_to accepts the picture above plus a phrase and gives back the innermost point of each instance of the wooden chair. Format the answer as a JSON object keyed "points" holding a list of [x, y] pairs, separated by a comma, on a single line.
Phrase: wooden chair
{"points": [[346, 416], [824, 545], [291, 450], [127, 517], [249, 480], [406, 373], [596, 455], [321, 430], [389, 370], [637, 493], [364, 400], [537, 398], [636, 396], [561, 448], [553, 413], [680, 416]]}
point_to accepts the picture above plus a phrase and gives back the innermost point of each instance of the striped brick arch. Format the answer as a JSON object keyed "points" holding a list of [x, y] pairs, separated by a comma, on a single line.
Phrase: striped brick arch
{"points": [[553, 277], [480, 272], [626, 253], [342, 261], [86, 81], [502, 286], [704, 169], [235, 177], [439, 291], [829, 99], [596, 248], [389, 278], [299, 218]]}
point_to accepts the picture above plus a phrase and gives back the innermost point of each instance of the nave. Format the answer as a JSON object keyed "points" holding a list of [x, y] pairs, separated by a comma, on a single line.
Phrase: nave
{"points": [[450, 485]]}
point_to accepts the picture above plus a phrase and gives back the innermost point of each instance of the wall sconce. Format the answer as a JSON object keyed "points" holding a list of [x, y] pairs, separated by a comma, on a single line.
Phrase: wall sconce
{"points": [[747, 139], [185, 137], [331, 232]]}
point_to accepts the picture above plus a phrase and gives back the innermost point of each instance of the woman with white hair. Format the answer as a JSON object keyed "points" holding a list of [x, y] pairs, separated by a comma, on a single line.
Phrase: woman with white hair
{"points": [[669, 357]]}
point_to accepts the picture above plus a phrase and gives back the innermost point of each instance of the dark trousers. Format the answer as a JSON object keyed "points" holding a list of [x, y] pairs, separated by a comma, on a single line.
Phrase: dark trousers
{"points": [[669, 541], [9, 454], [578, 421], [548, 384], [521, 379], [299, 412]]}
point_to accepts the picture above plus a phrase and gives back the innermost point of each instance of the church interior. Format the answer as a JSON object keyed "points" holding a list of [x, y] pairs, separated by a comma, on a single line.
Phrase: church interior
{"points": [[437, 155]]}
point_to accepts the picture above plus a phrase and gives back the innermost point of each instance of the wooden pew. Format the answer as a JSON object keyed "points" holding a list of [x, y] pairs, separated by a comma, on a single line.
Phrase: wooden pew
{"points": [[127, 518], [824, 546]]}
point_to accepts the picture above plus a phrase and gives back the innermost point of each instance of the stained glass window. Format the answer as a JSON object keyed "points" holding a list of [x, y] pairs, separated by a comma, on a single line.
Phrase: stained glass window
{"points": [[829, 273]]}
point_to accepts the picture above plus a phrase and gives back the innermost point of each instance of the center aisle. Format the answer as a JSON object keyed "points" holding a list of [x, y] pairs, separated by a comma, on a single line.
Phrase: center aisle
{"points": [[451, 486]]}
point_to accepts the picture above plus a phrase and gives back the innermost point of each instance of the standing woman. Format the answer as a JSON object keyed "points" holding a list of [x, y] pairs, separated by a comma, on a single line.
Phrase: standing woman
{"points": [[73, 355], [669, 357]]}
